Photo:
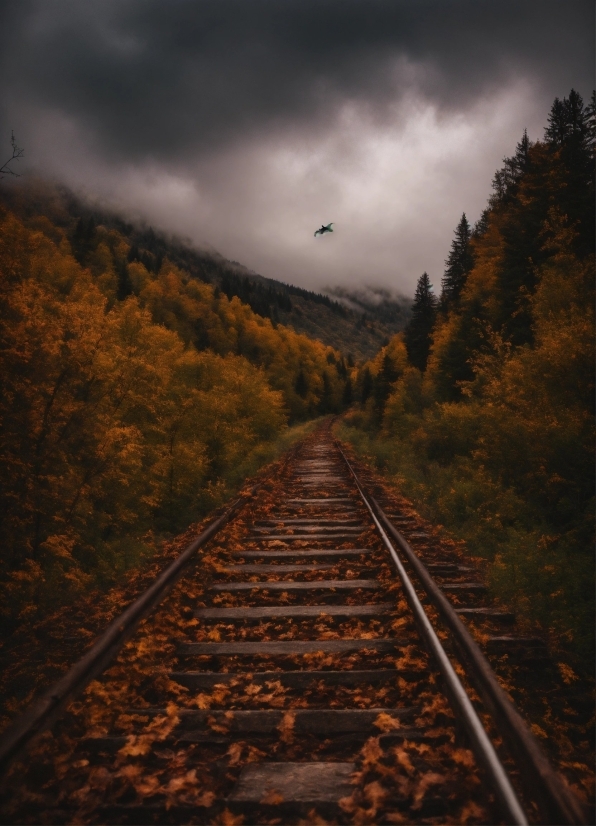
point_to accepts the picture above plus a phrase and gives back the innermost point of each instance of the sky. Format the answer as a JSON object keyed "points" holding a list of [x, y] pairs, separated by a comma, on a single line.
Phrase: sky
{"points": [[243, 125]]}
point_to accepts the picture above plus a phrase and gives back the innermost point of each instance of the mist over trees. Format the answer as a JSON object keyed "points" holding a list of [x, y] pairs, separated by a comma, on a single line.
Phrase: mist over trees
{"points": [[489, 418], [138, 387], [135, 395]]}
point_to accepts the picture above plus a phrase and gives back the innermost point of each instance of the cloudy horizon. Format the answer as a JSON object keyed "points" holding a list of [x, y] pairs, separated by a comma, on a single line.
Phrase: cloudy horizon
{"points": [[245, 125]]}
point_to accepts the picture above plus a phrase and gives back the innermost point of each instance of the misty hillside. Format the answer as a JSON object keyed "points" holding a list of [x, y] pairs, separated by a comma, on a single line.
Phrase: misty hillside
{"points": [[357, 324]]}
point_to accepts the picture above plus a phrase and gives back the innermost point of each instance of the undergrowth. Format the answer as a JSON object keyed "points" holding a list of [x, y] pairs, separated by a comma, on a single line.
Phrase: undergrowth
{"points": [[545, 578]]}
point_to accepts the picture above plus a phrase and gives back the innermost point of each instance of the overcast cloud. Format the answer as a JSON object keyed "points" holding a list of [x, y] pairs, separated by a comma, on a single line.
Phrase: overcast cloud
{"points": [[244, 124]]}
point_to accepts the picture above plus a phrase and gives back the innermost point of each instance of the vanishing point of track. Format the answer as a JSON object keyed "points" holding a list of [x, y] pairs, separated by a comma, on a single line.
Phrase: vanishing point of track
{"points": [[327, 659]]}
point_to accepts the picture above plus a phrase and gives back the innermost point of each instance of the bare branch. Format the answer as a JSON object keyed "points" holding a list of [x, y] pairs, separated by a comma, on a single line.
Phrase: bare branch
{"points": [[17, 154]]}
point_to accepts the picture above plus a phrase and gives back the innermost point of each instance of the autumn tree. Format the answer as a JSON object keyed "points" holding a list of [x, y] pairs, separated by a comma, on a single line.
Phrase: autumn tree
{"points": [[497, 436]]}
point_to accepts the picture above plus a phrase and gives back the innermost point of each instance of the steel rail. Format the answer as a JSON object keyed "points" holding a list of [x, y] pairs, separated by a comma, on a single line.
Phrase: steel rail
{"points": [[481, 745], [45, 710], [557, 804]]}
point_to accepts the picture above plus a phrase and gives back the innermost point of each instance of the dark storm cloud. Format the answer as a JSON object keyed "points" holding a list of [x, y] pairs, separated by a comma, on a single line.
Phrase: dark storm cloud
{"points": [[246, 123], [170, 79]]}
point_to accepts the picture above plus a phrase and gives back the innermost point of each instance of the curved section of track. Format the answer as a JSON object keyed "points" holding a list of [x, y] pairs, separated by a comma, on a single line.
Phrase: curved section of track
{"points": [[290, 677]]}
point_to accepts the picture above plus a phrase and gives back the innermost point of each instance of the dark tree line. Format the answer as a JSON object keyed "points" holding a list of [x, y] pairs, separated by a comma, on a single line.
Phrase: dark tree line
{"points": [[539, 182]]}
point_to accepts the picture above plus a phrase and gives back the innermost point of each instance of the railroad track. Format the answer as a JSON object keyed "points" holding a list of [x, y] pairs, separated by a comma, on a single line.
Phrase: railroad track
{"points": [[309, 669]]}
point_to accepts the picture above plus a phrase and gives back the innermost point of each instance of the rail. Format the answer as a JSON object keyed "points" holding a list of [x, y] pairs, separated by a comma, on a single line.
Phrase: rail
{"points": [[46, 709], [538, 780]]}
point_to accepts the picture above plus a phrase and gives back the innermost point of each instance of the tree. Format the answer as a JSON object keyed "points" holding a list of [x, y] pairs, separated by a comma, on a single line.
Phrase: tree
{"points": [[301, 385], [418, 333], [506, 179], [570, 137], [17, 154], [124, 282], [568, 121], [347, 397], [387, 375], [366, 385], [458, 265]]}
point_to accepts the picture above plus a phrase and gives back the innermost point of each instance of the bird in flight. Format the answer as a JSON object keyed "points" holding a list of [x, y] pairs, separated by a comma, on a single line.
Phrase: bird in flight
{"points": [[324, 229]]}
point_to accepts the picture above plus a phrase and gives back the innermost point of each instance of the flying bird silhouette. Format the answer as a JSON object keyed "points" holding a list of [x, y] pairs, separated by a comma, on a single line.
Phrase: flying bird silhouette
{"points": [[324, 229]]}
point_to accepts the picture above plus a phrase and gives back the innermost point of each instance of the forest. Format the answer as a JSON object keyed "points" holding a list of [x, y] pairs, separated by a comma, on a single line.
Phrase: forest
{"points": [[135, 397], [483, 410], [140, 386]]}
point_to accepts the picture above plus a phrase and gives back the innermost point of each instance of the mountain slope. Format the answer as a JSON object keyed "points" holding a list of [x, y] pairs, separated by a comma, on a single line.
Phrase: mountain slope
{"points": [[355, 326]]}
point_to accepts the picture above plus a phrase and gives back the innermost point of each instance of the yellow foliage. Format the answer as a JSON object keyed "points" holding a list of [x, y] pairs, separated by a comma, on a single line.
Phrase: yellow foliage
{"points": [[113, 423]]}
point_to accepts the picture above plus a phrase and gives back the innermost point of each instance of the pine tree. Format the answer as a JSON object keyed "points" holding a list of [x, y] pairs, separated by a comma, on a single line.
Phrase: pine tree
{"points": [[83, 239], [506, 179], [387, 375], [301, 385], [125, 287], [347, 397], [325, 401], [568, 121], [591, 121], [570, 137], [418, 333], [458, 265], [366, 385]]}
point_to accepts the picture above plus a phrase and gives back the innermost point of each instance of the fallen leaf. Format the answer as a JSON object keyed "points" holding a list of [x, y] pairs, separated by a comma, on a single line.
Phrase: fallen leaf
{"points": [[227, 818], [386, 722], [235, 753], [206, 799], [427, 781], [136, 745], [272, 798], [471, 811], [375, 793], [286, 727]]}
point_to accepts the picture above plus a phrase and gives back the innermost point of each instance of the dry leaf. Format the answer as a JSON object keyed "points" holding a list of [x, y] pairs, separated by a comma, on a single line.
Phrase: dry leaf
{"points": [[371, 752], [286, 727], [235, 753], [136, 745], [227, 818], [314, 819], [567, 673], [386, 722], [427, 781], [464, 757], [206, 799], [472, 811], [272, 798], [403, 759], [375, 793]]}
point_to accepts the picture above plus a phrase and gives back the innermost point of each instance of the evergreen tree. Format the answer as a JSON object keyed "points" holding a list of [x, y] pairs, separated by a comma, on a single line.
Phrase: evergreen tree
{"points": [[301, 386], [366, 386], [418, 333], [506, 178], [458, 265], [83, 239], [570, 136], [326, 402], [347, 394], [124, 283], [387, 375], [568, 121], [591, 120]]}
